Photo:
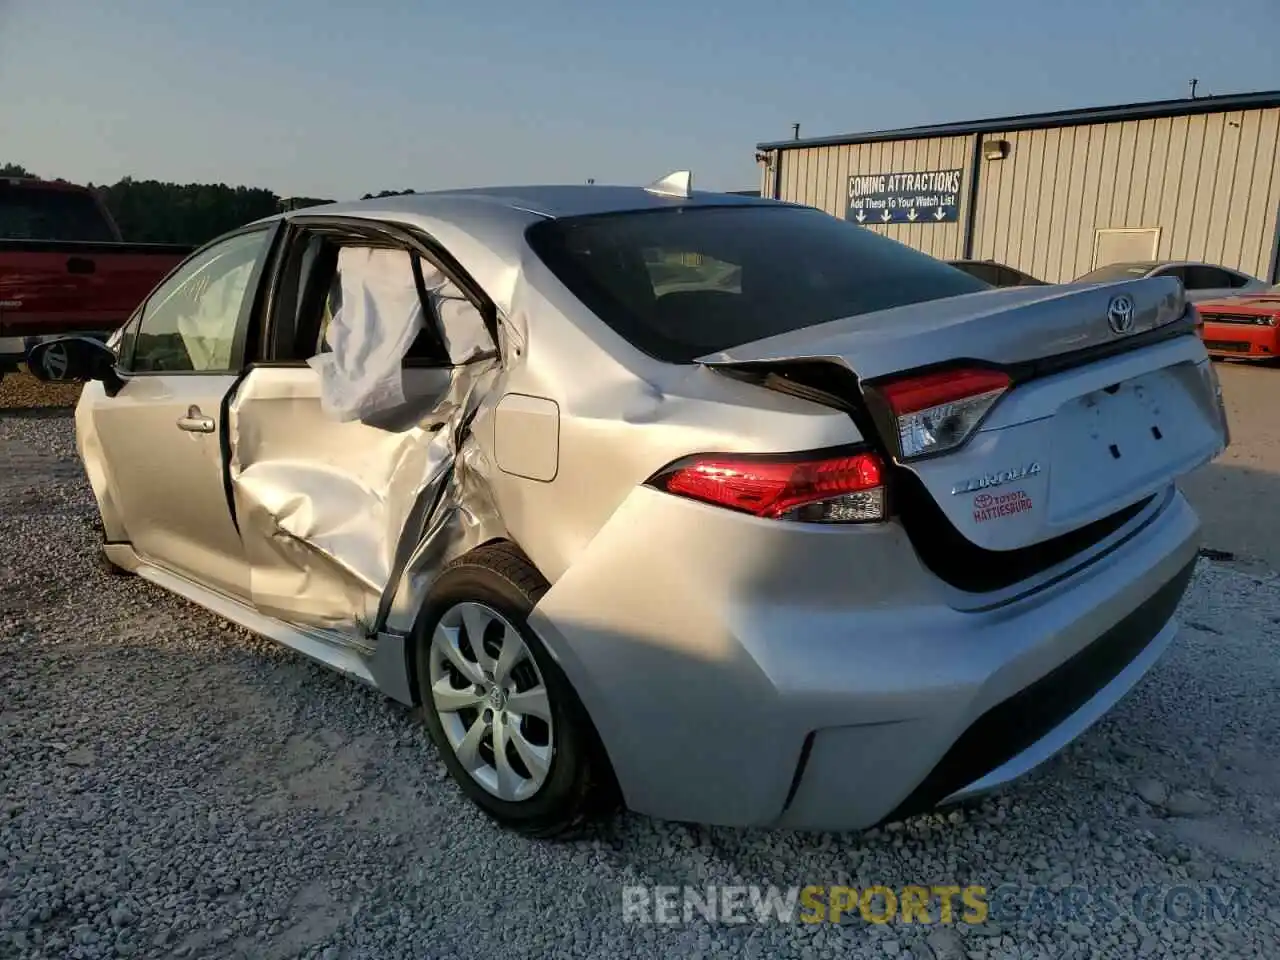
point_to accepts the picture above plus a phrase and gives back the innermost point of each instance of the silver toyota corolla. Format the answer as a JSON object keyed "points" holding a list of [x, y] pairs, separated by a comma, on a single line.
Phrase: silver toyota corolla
{"points": [[723, 508]]}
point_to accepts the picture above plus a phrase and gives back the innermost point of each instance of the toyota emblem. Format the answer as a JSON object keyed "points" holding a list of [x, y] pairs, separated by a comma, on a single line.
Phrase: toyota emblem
{"points": [[1120, 314]]}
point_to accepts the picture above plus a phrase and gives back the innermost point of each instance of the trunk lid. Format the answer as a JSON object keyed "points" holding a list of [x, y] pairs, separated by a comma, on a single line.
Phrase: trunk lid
{"points": [[1078, 436], [1009, 326]]}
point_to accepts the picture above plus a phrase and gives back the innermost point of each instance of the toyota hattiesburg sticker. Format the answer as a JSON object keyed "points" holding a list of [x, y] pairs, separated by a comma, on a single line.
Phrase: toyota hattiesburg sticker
{"points": [[987, 506]]}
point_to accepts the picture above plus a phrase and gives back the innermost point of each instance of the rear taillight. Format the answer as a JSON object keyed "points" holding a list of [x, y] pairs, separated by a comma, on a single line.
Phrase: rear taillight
{"points": [[935, 412], [832, 489]]}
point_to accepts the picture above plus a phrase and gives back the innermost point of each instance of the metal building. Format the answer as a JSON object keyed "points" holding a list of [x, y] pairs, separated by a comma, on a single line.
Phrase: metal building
{"points": [[1056, 194]]}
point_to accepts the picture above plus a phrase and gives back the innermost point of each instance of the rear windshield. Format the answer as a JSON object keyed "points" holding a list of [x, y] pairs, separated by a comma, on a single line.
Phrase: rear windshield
{"points": [[681, 283], [1117, 271], [28, 213]]}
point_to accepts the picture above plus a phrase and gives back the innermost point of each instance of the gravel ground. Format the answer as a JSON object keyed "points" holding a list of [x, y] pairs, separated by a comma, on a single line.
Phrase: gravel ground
{"points": [[21, 391], [1233, 493], [171, 786]]}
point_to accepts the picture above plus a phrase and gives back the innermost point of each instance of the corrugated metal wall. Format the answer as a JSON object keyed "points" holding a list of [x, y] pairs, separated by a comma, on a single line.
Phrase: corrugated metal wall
{"points": [[819, 176], [1210, 183]]}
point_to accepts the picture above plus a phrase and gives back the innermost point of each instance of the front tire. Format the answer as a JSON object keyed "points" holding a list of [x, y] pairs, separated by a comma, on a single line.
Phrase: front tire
{"points": [[508, 725]]}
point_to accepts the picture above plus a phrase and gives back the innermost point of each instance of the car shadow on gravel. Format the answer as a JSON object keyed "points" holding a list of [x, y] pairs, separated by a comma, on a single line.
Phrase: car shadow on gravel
{"points": [[1239, 509], [38, 413]]}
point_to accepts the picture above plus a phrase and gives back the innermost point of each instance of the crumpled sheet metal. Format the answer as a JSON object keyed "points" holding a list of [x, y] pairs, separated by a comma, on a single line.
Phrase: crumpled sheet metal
{"points": [[346, 525], [464, 516], [465, 513]]}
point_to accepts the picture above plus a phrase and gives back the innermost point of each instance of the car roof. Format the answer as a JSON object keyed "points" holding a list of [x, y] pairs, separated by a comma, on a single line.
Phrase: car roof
{"points": [[1131, 264], [551, 201], [1152, 264], [1147, 266], [1156, 264]]}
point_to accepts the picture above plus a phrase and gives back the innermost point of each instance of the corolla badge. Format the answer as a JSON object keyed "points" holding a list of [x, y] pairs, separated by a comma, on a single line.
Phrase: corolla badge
{"points": [[1001, 477], [1120, 314]]}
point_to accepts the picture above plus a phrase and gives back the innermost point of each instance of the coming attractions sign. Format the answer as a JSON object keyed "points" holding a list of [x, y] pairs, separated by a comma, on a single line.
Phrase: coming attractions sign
{"points": [[927, 196]]}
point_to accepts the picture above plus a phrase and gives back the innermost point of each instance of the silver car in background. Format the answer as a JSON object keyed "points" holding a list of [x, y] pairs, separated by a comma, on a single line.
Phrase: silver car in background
{"points": [[1201, 281], [720, 507]]}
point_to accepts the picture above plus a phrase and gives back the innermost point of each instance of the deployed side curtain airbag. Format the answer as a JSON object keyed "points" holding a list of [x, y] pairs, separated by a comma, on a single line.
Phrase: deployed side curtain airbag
{"points": [[378, 318], [461, 326]]}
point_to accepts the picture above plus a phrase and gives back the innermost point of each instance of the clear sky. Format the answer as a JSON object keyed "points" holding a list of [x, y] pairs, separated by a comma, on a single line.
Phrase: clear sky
{"points": [[328, 99]]}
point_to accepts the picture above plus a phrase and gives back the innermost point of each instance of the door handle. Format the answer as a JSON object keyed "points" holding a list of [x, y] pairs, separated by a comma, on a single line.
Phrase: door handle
{"points": [[80, 265], [196, 422]]}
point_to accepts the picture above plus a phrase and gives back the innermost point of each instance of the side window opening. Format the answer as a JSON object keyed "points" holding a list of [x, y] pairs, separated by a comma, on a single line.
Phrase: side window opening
{"points": [[986, 272], [380, 280], [428, 346], [1205, 278], [381, 324], [1216, 279]]}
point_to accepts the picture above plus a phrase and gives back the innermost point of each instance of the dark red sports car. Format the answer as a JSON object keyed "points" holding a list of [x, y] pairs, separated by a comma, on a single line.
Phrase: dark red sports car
{"points": [[1247, 327]]}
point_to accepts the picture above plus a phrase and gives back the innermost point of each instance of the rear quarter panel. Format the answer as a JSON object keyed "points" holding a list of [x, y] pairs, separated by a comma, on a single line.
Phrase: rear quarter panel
{"points": [[622, 418]]}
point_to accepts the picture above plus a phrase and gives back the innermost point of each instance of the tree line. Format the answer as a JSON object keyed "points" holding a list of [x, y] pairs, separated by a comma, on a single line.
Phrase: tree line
{"points": [[153, 211]]}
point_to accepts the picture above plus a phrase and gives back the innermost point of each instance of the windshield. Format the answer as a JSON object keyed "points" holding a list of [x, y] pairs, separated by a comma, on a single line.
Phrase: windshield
{"points": [[680, 283], [43, 214], [1116, 271]]}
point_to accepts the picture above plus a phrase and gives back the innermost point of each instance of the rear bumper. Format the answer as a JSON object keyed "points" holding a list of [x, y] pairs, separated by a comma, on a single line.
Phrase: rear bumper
{"points": [[1241, 340], [1019, 733], [821, 680]]}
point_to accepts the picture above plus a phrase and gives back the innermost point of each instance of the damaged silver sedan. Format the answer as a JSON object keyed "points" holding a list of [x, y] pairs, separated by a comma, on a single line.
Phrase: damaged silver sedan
{"points": [[718, 507]]}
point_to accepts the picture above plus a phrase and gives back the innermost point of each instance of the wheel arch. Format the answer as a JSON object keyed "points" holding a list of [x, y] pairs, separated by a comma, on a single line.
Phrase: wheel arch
{"points": [[415, 635], [413, 646]]}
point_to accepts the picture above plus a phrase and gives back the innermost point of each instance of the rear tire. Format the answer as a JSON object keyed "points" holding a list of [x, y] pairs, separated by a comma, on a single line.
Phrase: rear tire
{"points": [[484, 698]]}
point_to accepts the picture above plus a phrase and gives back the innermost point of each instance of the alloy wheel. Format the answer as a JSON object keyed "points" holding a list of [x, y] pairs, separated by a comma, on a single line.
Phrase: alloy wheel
{"points": [[491, 700]]}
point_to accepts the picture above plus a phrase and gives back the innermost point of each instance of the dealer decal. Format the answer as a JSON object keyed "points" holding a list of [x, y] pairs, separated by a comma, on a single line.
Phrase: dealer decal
{"points": [[987, 506]]}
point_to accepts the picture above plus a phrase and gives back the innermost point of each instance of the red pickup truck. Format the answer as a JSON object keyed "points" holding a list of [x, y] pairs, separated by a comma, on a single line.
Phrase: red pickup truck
{"points": [[64, 268]]}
